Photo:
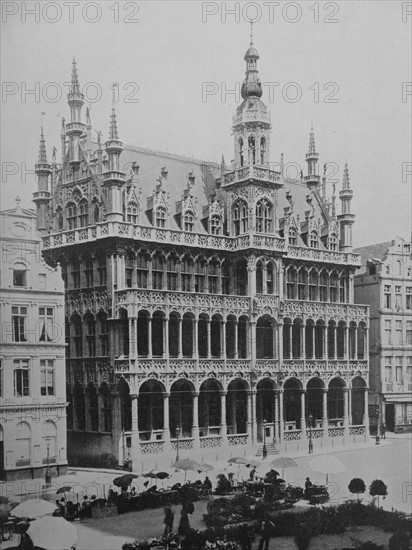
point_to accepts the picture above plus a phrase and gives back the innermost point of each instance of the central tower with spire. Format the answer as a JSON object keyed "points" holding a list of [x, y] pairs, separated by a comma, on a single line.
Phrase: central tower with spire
{"points": [[251, 123]]}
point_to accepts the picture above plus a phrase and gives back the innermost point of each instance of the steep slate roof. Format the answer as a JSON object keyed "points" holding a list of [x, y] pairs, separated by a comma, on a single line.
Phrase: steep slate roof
{"points": [[373, 251]]}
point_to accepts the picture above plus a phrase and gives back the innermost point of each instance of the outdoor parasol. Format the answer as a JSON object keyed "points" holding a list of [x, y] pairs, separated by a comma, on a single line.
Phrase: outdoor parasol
{"points": [[186, 464], [205, 467], [33, 509], [52, 533], [283, 462], [124, 481], [327, 464], [157, 474], [239, 460]]}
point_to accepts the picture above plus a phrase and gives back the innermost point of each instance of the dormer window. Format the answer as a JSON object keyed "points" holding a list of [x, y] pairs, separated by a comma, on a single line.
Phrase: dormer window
{"points": [[131, 214], [264, 216], [160, 217], [188, 221], [19, 276], [313, 242], [292, 238], [333, 242], [215, 225], [240, 217]]}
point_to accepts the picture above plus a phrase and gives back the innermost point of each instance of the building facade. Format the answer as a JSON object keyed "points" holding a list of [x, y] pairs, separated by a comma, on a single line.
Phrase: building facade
{"points": [[385, 283], [207, 307], [32, 350]]}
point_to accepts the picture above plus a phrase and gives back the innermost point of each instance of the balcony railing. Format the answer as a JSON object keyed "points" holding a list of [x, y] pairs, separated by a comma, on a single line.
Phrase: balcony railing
{"points": [[295, 308], [252, 171]]}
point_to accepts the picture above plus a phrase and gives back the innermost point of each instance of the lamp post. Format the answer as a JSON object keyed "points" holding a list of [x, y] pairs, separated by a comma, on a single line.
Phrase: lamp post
{"points": [[310, 420], [47, 476], [177, 442], [265, 451]]}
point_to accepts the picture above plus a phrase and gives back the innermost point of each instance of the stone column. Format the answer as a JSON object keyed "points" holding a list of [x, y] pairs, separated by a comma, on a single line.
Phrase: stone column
{"points": [[195, 422], [325, 342], [345, 410], [135, 449], [223, 339], [254, 424], [350, 406], [132, 336], [303, 414], [166, 423], [195, 338], [209, 340], [236, 355], [251, 272], [149, 337], [249, 417], [219, 278], [252, 341], [325, 413], [290, 341], [355, 344], [335, 349], [303, 339], [165, 337], [281, 421], [277, 416], [223, 425], [366, 412], [179, 337]]}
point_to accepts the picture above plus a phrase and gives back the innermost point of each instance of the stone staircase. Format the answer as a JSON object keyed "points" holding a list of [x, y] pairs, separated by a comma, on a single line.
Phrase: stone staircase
{"points": [[271, 449]]}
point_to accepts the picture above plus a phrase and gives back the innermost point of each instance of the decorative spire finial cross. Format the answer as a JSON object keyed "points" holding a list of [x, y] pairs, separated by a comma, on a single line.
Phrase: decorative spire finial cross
{"points": [[251, 33]]}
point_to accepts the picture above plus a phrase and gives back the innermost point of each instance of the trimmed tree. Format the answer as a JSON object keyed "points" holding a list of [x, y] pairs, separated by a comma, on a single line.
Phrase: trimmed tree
{"points": [[357, 485], [378, 488]]}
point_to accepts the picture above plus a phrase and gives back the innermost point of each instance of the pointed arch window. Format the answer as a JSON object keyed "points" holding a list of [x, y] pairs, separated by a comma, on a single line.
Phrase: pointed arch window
{"points": [[132, 212], [215, 225], [83, 213], [241, 153], [96, 213], [72, 215], [313, 242], [292, 236], [240, 217], [333, 242], [264, 216], [262, 150], [160, 217], [252, 149], [188, 221]]}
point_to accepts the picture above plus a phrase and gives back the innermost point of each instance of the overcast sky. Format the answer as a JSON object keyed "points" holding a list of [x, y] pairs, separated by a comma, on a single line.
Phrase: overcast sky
{"points": [[340, 64]]}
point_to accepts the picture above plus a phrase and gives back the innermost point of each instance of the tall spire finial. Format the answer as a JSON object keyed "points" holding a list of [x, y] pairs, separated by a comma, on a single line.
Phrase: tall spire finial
{"points": [[42, 149], [75, 78], [251, 32], [312, 148], [346, 182]]}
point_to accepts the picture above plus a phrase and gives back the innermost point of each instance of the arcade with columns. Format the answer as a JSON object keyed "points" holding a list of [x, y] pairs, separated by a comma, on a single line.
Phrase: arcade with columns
{"points": [[208, 311]]}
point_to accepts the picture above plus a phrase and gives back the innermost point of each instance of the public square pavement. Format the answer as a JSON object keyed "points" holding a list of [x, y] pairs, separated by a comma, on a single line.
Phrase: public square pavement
{"points": [[391, 461]]}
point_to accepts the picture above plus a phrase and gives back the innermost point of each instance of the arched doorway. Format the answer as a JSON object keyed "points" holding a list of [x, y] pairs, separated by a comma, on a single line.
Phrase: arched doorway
{"points": [[150, 413], [236, 407], [292, 391], [181, 408], [210, 407], [336, 401], [314, 401], [358, 390], [265, 406]]}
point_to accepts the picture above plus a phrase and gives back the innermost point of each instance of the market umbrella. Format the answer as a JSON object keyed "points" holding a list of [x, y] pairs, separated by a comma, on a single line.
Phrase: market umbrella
{"points": [[186, 464], [327, 464], [283, 462], [33, 509], [157, 474], [205, 467], [124, 481], [239, 460], [52, 533], [65, 489]]}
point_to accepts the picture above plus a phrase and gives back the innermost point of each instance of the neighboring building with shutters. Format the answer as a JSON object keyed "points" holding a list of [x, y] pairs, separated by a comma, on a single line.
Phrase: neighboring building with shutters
{"points": [[385, 283], [32, 353]]}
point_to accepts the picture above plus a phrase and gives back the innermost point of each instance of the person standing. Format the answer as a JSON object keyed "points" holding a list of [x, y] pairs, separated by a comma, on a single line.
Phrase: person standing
{"points": [[168, 520], [265, 531]]}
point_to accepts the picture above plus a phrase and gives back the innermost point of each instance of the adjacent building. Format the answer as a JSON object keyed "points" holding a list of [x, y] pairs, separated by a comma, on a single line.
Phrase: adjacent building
{"points": [[385, 283], [209, 308], [32, 350]]}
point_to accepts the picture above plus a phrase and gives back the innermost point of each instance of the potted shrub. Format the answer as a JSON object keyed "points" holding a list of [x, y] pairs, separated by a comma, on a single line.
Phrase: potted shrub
{"points": [[378, 488], [357, 485]]}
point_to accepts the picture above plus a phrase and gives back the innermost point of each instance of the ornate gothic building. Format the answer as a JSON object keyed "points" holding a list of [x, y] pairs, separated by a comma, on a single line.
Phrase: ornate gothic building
{"points": [[204, 304]]}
